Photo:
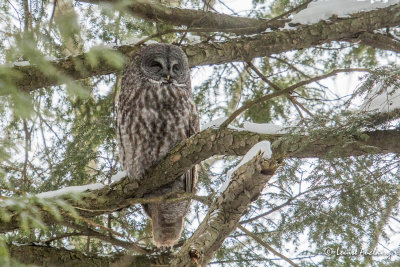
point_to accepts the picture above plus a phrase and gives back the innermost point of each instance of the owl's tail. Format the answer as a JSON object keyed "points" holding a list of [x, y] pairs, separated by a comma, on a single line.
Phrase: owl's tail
{"points": [[166, 234], [167, 223]]}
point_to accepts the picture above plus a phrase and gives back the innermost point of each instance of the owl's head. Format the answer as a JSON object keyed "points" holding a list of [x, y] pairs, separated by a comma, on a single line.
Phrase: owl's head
{"points": [[164, 63]]}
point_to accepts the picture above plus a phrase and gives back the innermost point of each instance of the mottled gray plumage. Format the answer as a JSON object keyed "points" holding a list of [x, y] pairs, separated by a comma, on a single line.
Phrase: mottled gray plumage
{"points": [[155, 112]]}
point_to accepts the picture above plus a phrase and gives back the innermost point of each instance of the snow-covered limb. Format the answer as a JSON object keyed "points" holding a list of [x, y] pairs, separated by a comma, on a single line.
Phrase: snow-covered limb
{"points": [[324, 9], [261, 128], [21, 63], [80, 188], [263, 147], [213, 124], [202, 146], [70, 190], [117, 177]]}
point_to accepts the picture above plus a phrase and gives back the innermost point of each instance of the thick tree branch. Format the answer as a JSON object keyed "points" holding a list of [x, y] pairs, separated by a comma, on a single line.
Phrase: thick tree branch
{"points": [[193, 18], [224, 214], [206, 144], [50, 256], [238, 49]]}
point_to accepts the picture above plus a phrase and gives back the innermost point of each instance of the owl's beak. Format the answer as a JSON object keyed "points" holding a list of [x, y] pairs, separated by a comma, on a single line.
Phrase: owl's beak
{"points": [[168, 77]]}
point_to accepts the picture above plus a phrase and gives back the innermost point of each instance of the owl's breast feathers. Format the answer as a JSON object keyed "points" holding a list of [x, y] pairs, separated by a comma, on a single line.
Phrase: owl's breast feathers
{"points": [[152, 117], [151, 120]]}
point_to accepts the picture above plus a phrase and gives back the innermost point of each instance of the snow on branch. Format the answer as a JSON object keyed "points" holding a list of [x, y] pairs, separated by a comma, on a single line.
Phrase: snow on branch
{"points": [[70, 190], [265, 128], [325, 9], [263, 148], [213, 124]]}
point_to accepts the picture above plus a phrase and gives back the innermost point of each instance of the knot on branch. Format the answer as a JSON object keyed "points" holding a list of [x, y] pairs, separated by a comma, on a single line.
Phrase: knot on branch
{"points": [[194, 255]]}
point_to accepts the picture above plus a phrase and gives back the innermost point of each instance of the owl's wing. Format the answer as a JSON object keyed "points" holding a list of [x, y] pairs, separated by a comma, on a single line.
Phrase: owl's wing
{"points": [[191, 175]]}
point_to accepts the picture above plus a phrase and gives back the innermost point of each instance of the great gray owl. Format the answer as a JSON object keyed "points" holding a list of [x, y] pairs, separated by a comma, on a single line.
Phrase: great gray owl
{"points": [[155, 112]]}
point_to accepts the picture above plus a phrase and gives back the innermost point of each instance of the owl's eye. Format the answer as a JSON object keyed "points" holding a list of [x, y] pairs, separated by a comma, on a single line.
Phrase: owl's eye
{"points": [[176, 68], [155, 65]]}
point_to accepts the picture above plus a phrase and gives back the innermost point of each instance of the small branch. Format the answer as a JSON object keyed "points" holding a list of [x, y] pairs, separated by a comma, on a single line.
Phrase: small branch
{"points": [[268, 247], [47, 242], [379, 41], [25, 180], [283, 92], [277, 89], [378, 230], [109, 239], [270, 211], [287, 13]]}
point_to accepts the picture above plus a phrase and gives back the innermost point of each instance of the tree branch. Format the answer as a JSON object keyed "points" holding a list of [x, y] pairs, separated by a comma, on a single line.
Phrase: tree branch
{"points": [[380, 41], [109, 239], [224, 214], [266, 246], [193, 18], [204, 145], [238, 49], [50, 256]]}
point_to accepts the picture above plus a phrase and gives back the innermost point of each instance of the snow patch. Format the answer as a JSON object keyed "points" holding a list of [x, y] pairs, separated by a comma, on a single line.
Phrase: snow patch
{"points": [[135, 40], [215, 213], [22, 63], [264, 128], [50, 58], [117, 177], [193, 39], [288, 27], [227, 181], [324, 9], [264, 147], [213, 124], [70, 189], [382, 99]]}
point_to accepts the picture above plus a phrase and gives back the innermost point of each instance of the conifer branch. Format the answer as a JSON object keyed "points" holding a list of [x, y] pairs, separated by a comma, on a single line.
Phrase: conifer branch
{"points": [[202, 146]]}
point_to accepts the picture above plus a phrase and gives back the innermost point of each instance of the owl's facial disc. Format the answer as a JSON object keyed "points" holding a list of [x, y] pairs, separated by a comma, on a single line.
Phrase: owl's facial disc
{"points": [[166, 64]]}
